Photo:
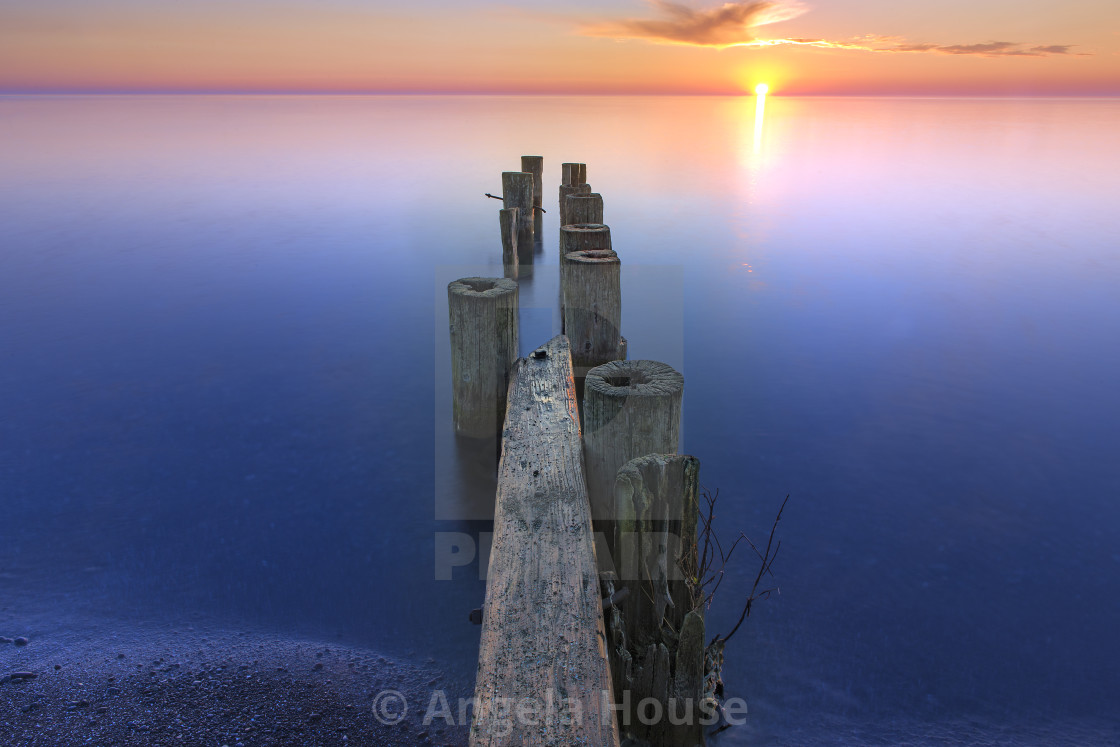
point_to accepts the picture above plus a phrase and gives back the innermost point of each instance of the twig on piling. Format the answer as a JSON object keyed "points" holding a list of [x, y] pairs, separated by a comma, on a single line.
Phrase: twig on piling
{"points": [[499, 197]]}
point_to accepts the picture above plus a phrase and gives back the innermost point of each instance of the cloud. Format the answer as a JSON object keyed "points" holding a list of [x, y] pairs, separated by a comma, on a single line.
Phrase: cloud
{"points": [[734, 25], [988, 49], [730, 24]]}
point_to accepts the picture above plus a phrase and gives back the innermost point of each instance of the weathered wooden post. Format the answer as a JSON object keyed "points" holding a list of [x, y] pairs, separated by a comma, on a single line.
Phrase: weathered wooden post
{"points": [[573, 173], [591, 292], [573, 180], [543, 638], [566, 191], [630, 409], [535, 166], [657, 629], [507, 221], [578, 237], [517, 192], [483, 317], [585, 208]]}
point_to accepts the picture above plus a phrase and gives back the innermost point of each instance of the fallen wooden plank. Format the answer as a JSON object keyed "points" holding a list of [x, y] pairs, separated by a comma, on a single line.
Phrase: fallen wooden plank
{"points": [[543, 676]]}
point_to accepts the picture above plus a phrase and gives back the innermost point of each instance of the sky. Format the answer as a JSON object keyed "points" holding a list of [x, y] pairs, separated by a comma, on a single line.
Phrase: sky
{"points": [[827, 47]]}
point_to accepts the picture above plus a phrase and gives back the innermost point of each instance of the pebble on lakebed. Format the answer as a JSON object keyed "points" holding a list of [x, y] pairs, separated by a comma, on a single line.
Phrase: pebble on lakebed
{"points": [[257, 689]]}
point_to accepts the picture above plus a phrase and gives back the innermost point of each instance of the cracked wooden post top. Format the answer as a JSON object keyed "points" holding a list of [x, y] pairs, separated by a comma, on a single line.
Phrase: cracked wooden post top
{"points": [[630, 409], [577, 237]]}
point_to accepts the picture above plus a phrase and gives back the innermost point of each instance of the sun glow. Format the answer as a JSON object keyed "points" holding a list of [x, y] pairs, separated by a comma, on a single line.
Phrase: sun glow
{"points": [[762, 89]]}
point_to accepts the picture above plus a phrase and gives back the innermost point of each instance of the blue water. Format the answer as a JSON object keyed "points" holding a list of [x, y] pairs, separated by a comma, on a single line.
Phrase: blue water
{"points": [[224, 385]]}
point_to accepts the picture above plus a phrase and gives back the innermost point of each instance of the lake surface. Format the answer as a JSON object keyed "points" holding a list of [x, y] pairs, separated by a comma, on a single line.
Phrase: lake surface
{"points": [[225, 390]]}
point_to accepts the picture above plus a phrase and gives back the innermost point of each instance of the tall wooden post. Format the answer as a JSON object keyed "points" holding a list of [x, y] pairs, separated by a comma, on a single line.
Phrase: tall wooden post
{"points": [[585, 208], [517, 192], [535, 165], [483, 317], [630, 409], [658, 625], [592, 308]]}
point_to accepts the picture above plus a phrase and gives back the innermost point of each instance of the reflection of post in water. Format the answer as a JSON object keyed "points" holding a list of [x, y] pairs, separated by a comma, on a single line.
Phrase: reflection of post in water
{"points": [[507, 221]]}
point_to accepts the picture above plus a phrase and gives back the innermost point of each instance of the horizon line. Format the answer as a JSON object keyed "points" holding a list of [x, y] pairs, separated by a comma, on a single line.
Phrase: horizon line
{"points": [[321, 92]]}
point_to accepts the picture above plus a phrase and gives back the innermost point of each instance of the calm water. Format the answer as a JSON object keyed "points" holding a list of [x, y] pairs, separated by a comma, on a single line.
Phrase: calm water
{"points": [[224, 383]]}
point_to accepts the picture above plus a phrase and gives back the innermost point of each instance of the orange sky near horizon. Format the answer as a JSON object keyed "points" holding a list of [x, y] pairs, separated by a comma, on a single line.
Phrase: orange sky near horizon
{"points": [[624, 46]]}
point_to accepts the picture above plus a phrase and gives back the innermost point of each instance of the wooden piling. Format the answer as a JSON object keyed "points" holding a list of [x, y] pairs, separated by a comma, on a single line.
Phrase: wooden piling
{"points": [[580, 237], [566, 190], [591, 292], [573, 173], [517, 192], [483, 318], [507, 221], [543, 638], [656, 630], [585, 208], [572, 241], [535, 165], [630, 409]]}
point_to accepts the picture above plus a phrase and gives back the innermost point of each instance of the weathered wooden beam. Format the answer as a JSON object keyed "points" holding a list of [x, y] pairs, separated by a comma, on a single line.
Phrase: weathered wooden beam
{"points": [[483, 319], [543, 638]]}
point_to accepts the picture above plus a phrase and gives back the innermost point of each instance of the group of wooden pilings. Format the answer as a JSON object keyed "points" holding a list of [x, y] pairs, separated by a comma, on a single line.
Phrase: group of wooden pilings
{"points": [[520, 218], [602, 642]]}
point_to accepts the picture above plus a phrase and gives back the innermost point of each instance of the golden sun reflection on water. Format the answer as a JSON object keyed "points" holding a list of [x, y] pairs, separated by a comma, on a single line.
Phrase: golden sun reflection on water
{"points": [[759, 114]]}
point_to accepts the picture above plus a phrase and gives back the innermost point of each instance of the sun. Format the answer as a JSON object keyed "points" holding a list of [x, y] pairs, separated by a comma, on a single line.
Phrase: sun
{"points": [[761, 89]]}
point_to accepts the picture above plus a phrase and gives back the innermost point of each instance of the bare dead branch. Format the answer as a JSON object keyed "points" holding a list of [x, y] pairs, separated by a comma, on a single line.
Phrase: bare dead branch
{"points": [[768, 558]]}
